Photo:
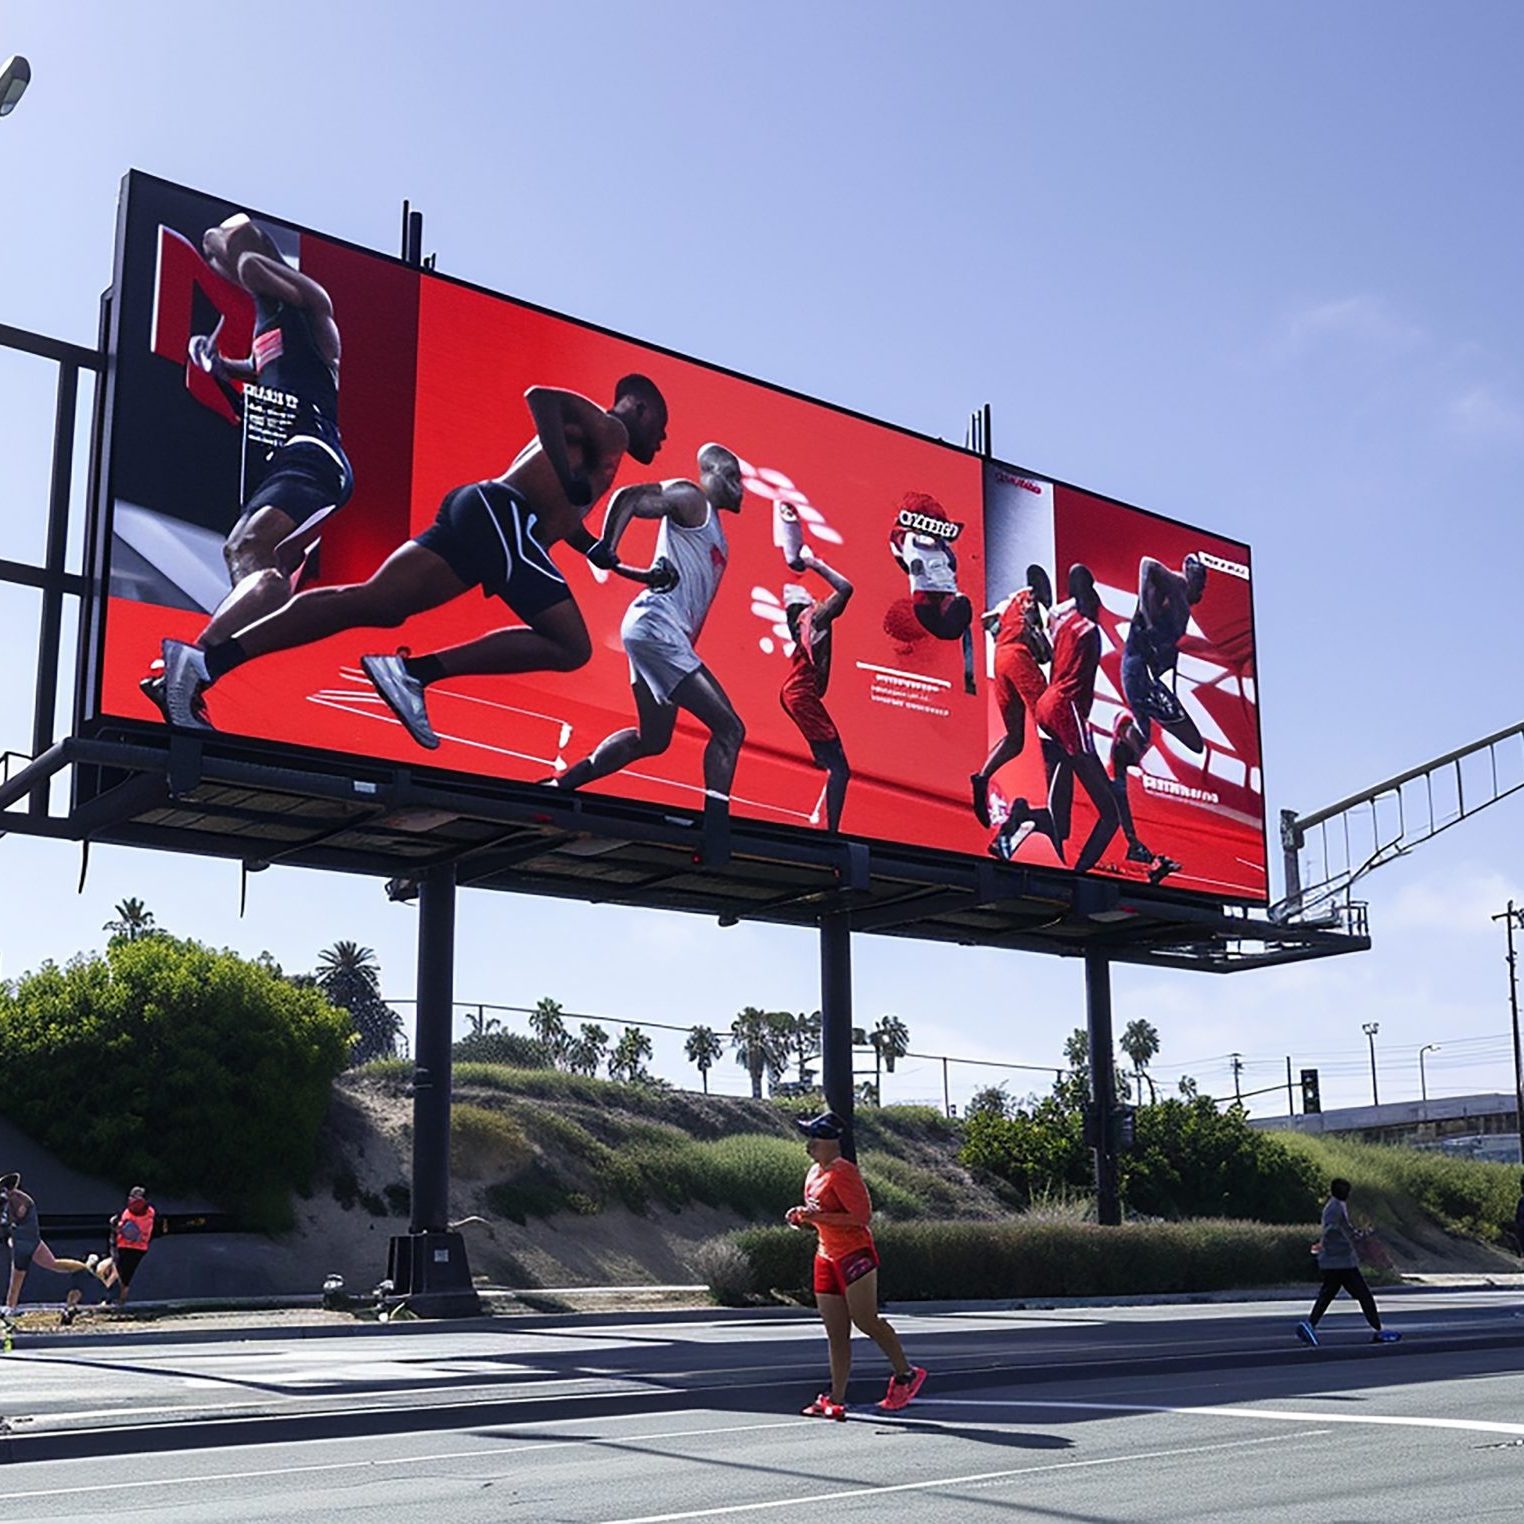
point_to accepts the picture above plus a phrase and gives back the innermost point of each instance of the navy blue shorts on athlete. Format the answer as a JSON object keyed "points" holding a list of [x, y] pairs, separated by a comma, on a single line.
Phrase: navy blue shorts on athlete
{"points": [[485, 533], [1147, 696], [307, 478]]}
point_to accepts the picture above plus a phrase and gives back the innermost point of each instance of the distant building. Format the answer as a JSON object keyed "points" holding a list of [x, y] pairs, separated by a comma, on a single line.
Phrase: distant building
{"points": [[1482, 1126]]}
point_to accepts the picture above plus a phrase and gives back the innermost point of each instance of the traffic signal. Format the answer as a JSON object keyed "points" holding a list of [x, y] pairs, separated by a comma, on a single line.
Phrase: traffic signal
{"points": [[1126, 1122], [1311, 1101]]}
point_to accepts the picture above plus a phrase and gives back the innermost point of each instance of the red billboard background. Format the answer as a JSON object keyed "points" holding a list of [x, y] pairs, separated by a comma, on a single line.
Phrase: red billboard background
{"points": [[432, 397]]}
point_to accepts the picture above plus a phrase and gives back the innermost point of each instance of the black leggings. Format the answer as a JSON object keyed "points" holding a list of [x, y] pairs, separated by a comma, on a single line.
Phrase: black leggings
{"points": [[1353, 1282]]}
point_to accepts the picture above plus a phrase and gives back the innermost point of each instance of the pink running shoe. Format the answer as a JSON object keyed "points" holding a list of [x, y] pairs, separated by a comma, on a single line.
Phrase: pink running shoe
{"points": [[901, 1392], [824, 1407]]}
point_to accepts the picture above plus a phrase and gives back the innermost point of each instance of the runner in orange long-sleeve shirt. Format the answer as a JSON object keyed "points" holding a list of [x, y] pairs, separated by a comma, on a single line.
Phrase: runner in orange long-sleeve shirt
{"points": [[837, 1207]]}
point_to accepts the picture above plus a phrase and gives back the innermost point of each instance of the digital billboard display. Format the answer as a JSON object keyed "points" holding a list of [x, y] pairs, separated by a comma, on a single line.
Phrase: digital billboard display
{"points": [[358, 507]]}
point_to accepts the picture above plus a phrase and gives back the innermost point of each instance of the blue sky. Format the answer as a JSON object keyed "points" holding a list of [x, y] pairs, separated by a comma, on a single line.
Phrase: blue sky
{"points": [[1252, 266]]}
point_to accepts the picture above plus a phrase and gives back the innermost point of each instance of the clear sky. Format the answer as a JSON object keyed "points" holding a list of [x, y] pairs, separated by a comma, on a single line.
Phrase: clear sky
{"points": [[1255, 266]]}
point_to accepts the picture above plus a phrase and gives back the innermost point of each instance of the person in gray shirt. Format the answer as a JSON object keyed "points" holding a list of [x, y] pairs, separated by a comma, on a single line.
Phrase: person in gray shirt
{"points": [[1340, 1264]]}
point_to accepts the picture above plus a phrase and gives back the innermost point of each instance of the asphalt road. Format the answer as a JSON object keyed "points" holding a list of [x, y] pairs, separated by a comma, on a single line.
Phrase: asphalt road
{"points": [[1210, 1413], [1413, 1437]]}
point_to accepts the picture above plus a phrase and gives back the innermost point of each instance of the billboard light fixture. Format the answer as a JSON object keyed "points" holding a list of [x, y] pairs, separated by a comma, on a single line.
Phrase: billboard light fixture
{"points": [[15, 76]]}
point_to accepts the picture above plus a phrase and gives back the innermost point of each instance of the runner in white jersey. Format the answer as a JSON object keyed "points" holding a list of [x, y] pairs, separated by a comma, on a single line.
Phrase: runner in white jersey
{"points": [[660, 629]]}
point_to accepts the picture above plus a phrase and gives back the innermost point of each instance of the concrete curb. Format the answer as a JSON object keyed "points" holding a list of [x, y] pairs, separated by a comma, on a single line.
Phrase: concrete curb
{"points": [[353, 1423], [1298, 1293], [507, 1322]]}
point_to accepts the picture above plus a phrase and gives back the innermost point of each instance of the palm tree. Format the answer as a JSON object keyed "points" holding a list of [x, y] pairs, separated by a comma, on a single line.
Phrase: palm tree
{"points": [[628, 1060], [762, 1044], [891, 1041], [545, 1021], [350, 976], [134, 920], [805, 1034], [585, 1051], [480, 1022], [346, 961], [1140, 1042], [703, 1047]]}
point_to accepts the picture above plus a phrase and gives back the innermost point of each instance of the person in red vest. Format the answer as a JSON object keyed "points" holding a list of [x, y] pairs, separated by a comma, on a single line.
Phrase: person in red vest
{"points": [[131, 1233]]}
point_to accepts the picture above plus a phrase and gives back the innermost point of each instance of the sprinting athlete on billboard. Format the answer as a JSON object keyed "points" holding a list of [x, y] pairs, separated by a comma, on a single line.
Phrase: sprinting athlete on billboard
{"points": [[1020, 646], [660, 629], [306, 475], [493, 535], [1165, 600], [1063, 714], [810, 625]]}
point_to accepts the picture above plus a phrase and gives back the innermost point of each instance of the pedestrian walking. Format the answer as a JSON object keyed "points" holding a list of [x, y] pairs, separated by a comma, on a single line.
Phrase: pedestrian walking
{"points": [[1339, 1261]]}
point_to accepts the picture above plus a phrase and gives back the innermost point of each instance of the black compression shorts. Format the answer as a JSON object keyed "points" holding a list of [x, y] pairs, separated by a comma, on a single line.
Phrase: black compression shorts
{"points": [[1148, 698], [485, 533], [307, 479]]}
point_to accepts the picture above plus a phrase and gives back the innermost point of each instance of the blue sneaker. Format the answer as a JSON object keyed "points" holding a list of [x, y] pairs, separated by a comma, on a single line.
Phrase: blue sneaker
{"points": [[1307, 1333], [1385, 1336]]}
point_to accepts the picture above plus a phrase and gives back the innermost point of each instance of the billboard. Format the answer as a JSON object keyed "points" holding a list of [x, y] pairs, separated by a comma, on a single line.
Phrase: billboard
{"points": [[356, 507]]}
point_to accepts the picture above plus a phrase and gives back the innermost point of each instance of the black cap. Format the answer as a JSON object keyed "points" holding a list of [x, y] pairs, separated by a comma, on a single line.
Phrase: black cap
{"points": [[826, 1125]]}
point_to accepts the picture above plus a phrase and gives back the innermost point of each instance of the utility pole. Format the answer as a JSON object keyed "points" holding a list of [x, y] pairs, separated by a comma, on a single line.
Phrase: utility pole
{"points": [[1509, 917], [1238, 1069], [1370, 1028], [1290, 1093]]}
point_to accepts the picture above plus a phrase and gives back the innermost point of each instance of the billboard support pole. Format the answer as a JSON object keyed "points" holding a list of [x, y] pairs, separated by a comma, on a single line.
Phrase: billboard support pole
{"points": [[428, 1266], [46, 698], [836, 1020], [1103, 1087]]}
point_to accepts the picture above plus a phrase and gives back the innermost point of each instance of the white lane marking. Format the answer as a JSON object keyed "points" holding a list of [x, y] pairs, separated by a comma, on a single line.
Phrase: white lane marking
{"points": [[408, 1460], [236, 1406], [1227, 1410], [956, 1481]]}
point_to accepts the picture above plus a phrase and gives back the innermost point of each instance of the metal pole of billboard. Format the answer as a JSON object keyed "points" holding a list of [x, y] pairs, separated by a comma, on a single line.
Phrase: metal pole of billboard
{"points": [[428, 1267], [46, 698], [836, 1021], [1103, 1087]]}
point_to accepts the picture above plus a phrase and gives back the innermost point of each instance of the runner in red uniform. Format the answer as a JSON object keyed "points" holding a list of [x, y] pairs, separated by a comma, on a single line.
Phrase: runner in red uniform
{"points": [[1020, 645], [803, 694], [1063, 713], [837, 1207]]}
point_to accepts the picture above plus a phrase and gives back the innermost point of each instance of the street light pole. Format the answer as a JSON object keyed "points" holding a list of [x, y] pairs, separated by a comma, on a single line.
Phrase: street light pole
{"points": [[1509, 917], [1423, 1083], [1370, 1028]]}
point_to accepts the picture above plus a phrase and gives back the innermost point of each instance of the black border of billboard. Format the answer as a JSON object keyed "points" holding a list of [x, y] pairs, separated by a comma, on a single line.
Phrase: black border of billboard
{"points": [[99, 530]]}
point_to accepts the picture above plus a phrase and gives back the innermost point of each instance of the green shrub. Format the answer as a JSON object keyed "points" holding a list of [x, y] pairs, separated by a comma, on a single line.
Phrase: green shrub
{"points": [[511, 1048], [486, 1144], [1020, 1259], [1401, 1188], [1189, 1160], [163, 1061]]}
